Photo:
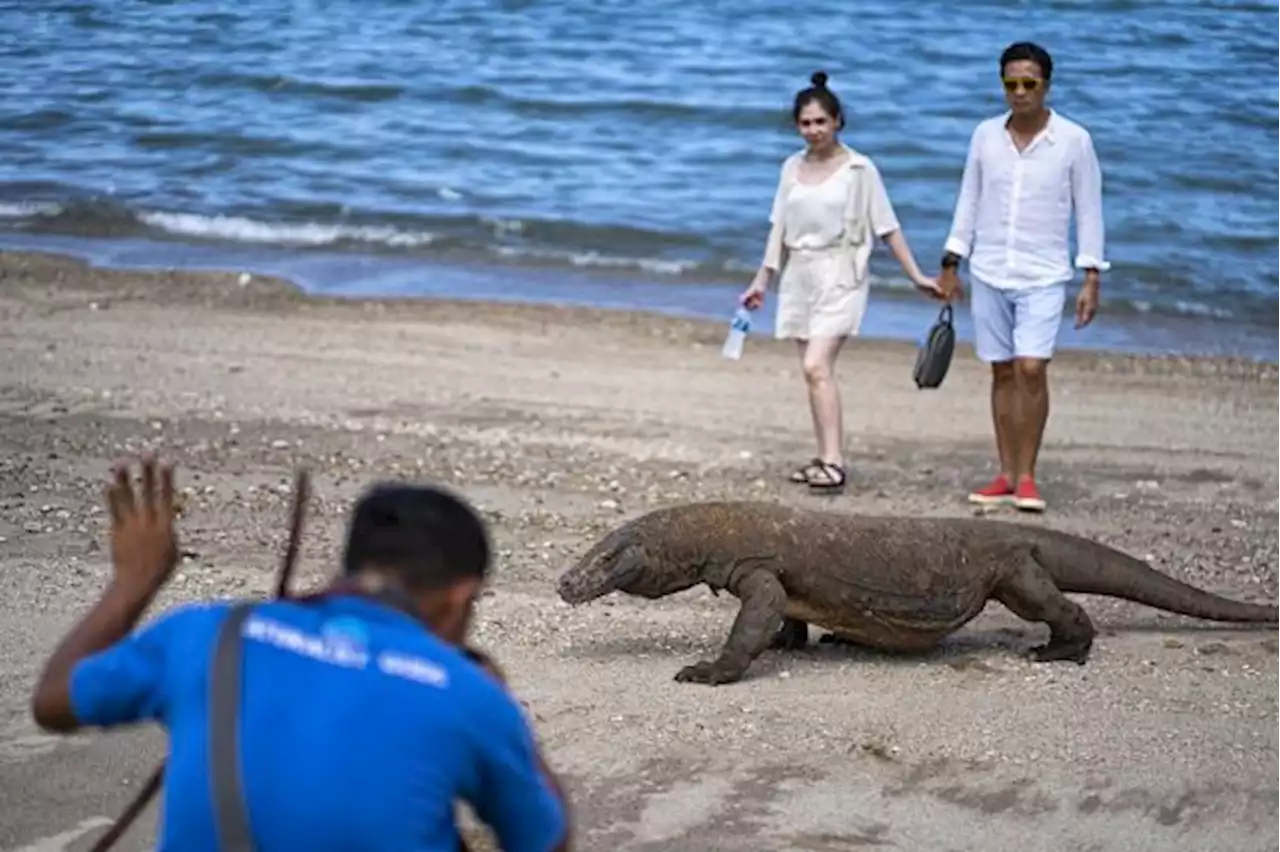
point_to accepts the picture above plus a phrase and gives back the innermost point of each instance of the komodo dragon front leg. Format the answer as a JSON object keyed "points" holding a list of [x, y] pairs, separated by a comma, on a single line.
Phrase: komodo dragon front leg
{"points": [[755, 628]]}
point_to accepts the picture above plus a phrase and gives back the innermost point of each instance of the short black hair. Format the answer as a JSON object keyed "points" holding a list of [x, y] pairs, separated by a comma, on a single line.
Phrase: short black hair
{"points": [[424, 534], [1023, 51]]}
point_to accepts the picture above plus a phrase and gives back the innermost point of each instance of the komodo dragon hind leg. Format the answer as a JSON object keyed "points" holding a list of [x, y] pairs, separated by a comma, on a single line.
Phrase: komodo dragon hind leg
{"points": [[1028, 591], [793, 636], [757, 625]]}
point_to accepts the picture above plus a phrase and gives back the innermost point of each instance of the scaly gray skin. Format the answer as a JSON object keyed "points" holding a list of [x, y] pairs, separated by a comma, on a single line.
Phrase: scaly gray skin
{"points": [[896, 584]]}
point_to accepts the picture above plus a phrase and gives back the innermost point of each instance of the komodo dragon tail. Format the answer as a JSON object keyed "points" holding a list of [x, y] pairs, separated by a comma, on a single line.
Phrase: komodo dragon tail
{"points": [[1087, 567]]}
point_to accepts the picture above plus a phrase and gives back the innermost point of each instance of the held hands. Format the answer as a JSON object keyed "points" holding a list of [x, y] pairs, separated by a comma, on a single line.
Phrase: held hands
{"points": [[144, 546], [949, 285], [930, 287]]}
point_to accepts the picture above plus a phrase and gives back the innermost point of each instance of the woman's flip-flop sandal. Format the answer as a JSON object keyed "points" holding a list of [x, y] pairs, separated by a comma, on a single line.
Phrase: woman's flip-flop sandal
{"points": [[832, 481], [801, 474]]}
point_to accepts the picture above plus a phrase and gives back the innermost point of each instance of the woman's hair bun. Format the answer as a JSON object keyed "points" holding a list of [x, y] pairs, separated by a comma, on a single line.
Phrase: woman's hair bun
{"points": [[819, 79]]}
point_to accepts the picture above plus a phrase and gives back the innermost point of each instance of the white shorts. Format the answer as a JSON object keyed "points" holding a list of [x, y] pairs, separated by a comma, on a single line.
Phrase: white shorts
{"points": [[1015, 323], [818, 296]]}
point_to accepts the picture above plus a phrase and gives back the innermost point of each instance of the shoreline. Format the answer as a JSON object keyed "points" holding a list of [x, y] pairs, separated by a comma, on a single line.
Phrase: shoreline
{"points": [[893, 317], [560, 423]]}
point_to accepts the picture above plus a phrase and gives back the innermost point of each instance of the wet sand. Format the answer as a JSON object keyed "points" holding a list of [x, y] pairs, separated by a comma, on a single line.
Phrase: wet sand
{"points": [[561, 422]]}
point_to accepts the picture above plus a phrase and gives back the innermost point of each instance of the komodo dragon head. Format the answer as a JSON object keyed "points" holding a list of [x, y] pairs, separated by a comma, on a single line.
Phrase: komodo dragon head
{"points": [[620, 562]]}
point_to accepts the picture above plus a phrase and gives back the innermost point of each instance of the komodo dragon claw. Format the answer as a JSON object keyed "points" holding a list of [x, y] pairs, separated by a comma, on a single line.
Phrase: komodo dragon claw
{"points": [[711, 672]]}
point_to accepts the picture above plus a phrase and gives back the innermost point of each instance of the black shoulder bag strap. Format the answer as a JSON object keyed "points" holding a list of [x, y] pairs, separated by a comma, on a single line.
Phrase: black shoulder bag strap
{"points": [[229, 809]]}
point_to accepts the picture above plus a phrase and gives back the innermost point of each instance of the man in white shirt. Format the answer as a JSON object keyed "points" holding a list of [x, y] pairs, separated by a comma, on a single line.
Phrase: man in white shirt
{"points": [[1026, 171]]}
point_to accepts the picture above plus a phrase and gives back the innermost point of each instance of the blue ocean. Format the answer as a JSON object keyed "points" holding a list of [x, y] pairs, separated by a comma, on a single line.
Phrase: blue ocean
{"points": [[624, 154]]}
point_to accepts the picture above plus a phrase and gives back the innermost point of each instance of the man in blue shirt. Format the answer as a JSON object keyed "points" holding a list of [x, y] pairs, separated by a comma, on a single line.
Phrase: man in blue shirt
{"points": [[363, 719]]}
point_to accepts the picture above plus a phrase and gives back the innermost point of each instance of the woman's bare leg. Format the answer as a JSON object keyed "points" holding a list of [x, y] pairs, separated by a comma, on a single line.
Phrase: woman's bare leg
{"points": [[818, 360]]}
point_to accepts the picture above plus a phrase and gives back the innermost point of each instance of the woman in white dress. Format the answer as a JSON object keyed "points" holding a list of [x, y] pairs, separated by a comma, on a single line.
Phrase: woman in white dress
{"points": [[830, 207]]}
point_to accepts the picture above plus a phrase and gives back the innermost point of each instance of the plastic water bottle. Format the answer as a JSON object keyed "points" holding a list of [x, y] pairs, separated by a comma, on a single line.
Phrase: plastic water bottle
{"points": [[738, 329]]}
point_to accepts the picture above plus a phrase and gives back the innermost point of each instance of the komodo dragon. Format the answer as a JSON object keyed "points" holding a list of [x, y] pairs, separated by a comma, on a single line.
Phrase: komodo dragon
{"points": [[898, 584]]}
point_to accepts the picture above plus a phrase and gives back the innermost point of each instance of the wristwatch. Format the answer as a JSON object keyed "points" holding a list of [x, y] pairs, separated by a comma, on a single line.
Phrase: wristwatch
{"points": [[950, 260]]}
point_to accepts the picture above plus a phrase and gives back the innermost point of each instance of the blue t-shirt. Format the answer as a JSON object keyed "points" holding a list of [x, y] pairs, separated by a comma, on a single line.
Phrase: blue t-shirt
{"points": [[359, 730]]}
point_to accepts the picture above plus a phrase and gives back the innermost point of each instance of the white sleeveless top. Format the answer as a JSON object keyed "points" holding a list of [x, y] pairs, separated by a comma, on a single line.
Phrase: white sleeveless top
{"points": [[813, 214]]}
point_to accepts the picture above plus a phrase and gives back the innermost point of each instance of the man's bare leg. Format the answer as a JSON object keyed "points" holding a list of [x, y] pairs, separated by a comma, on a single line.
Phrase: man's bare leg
{"points": [[1033, 401], [1006, 417], [1006, 413]]}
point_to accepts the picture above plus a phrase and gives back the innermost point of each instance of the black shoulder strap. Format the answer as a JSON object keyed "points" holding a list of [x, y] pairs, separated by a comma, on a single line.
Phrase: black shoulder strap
{"points": [[229, 808]]}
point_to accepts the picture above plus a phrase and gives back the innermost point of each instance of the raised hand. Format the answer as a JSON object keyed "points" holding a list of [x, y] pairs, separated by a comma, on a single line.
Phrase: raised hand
{"points": [[144, 545]]}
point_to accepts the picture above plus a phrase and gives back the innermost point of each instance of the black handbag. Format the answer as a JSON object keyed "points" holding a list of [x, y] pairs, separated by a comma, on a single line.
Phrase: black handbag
{"points": [[934, 357]]}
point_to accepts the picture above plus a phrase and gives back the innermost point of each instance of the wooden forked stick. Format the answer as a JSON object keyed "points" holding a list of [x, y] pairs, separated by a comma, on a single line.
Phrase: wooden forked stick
{"points": [[301, 492]]}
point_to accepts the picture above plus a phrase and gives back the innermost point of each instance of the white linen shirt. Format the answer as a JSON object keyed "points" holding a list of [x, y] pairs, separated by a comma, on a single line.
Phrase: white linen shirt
{"points": [[1014, 209]]}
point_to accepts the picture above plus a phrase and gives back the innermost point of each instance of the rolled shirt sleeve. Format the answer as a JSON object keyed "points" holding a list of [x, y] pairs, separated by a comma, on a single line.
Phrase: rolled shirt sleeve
{"points": [[1086, 196], [773, 249], [964, 219]]}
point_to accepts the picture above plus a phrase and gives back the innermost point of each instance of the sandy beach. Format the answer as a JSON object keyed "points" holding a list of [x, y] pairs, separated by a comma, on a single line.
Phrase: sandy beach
{"points": [[560, 423]]}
